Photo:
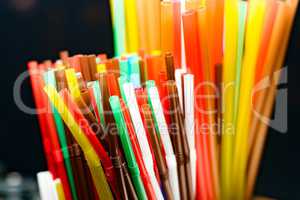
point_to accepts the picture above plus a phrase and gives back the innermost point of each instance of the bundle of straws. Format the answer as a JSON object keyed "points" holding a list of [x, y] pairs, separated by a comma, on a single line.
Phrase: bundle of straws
{"points": [[171, 116]]}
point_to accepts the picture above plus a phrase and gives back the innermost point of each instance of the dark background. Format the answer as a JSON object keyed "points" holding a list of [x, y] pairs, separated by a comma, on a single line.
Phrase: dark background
{"points": [[39, 29]]}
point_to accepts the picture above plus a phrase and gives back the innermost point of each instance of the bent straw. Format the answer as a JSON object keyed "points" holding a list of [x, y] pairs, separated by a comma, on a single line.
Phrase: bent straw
{"points": [[137, 152], [130, 99], [94, 164], [229, 71], [127, 147], [253, 38], [262, 130], [162, 130], [132, 39], [243, 5], [49, 78]]}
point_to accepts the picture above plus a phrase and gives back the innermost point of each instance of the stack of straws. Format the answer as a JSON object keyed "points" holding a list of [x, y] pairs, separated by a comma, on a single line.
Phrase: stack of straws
{"points": [[173, 121]]}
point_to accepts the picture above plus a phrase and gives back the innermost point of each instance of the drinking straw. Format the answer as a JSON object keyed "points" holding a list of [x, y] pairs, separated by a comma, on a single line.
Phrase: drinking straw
{"points": [[191, 41], [167, 26], [38, 98], [267, 66], [93, 161], [261, 128], [155, 64], [119, 27], [178, 75], [163, 170], [143, 25], [178, 146], [99, 99], [85, 69], [153, 23], [49, 78], [101, 67], [177, 25], [137, 152], [162, 130], [193, 61], [112, 84], [189, 113], [123, 178], [266, 36], [169, 59], [132, 39], [131, 102], [134, 76], [72, 82], [60, 171], [124, 68], [242, 12], [215, 9], [127, 147], [229, 72], [253, 33], [59, 189], [182, 10], [84, 124], [208, 89], [46, 186]]}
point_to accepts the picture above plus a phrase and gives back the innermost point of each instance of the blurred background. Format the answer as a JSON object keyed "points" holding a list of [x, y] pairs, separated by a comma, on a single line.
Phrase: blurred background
{"points": [[39, 29]]}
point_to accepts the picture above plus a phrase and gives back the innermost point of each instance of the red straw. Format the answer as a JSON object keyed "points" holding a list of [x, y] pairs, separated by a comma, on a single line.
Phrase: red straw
{"points": [[48, 129], [90, 134], [94, 104], [112, 85], [177, 33]]}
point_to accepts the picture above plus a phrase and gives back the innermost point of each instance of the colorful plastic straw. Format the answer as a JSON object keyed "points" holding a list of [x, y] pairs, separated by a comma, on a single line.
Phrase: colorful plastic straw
{"points": [[93, 161], [49, 78], [261, 128], [162, 129], [252, 41], [119, 27], [131, 102], [243, 6], [167, 27], [132, 39], [229, 72], [127, 147]]}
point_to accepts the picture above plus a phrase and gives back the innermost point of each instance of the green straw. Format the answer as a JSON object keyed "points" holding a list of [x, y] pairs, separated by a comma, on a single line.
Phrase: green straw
{"points": [[122, 80], [119, 27], [124, 68], [49, 79], [240, 49], [98, 98], [125, 141], [150, 84], [134, 68]]}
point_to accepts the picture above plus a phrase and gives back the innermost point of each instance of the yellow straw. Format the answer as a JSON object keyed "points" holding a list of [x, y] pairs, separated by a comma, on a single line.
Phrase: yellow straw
{"points": [[72, 82], [230, 51], [59, 189], [253, 35], [132, 39], [98, 176]]}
